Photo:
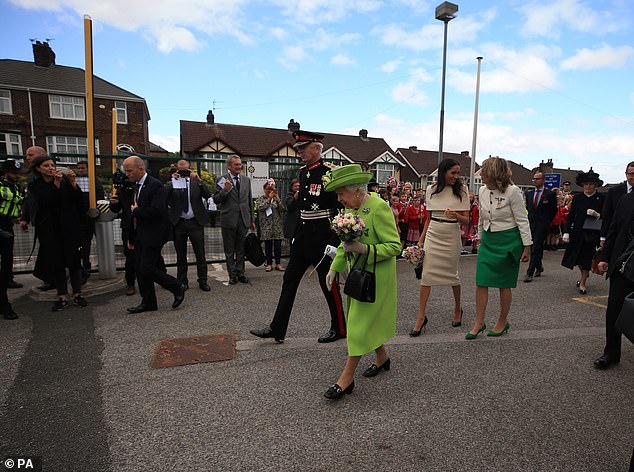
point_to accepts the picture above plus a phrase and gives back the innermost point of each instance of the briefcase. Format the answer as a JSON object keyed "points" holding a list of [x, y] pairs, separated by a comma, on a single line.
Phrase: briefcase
{"points": [[625, 321]]}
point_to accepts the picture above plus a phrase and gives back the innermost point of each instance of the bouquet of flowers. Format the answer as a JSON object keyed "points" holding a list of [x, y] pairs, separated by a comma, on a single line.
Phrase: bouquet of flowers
{"points": [[414, 255], [348, 226]]}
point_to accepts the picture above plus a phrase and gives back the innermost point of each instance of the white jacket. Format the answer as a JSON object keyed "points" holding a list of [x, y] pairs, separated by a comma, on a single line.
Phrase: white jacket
{"points": [[501, 211]]}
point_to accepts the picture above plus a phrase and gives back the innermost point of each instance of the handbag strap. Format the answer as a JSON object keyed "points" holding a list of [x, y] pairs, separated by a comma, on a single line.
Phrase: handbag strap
{"points": [[354, 264]]}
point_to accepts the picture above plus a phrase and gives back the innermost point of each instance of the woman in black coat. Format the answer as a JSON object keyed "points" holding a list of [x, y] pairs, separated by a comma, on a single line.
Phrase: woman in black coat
{"points": [[292, 210], [585, 211], [60, 205]]}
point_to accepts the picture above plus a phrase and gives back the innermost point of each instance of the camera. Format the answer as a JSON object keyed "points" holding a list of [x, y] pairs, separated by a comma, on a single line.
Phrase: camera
{"points": [[184, 172], [120, 181]]}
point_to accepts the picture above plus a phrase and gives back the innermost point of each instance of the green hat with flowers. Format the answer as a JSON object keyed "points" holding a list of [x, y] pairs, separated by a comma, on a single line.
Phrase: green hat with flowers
{"points": [[350, 174]]}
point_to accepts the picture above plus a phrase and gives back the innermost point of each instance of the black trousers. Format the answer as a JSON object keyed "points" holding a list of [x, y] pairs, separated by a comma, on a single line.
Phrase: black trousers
{"points": [[6, 272], [190, 229], [130, 263], [537, 252], [295, 270], [620, 287], [87, 233], [148, 271]]}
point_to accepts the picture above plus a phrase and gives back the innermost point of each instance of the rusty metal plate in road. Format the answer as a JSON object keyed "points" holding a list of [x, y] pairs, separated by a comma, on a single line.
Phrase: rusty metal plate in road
{"points": [[195, 350]]}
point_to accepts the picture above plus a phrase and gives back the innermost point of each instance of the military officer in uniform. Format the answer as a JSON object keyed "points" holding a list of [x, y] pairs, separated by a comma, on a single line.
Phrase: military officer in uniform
{"points": [[312, 234], [11, 197]]}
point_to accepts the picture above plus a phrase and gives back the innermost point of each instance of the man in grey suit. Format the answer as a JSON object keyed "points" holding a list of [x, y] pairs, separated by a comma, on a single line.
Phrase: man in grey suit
{"points": [[233, 194], [188, 217]]}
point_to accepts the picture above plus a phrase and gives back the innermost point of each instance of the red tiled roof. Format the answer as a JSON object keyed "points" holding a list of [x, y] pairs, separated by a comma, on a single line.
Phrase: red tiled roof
{"points": [[254, 141], [426, 162]]}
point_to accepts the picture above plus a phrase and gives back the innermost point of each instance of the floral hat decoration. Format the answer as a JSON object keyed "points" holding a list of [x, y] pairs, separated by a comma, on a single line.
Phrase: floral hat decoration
{"points": [[345, 175]]}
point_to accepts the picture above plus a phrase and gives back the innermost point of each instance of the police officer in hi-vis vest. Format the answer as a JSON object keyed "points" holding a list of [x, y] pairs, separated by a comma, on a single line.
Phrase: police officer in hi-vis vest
{"points": [[11, 197], [312, 234]]}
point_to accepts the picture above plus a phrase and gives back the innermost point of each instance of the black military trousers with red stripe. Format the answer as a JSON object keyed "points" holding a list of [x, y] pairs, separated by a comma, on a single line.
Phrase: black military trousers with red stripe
{"points": [[297, 266]]}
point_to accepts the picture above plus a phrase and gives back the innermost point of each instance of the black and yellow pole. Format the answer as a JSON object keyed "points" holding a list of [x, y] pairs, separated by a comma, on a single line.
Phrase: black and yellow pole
{"points": [[90, 122]]}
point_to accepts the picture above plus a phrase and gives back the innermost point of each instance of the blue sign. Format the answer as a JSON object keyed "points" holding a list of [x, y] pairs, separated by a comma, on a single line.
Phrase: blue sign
{"points": [[552, 181]]}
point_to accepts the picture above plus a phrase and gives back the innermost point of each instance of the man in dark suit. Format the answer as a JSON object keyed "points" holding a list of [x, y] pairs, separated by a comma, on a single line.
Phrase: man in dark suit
{"points": [[541, 204], [233, 193], [149, 230], [612, 200], [617, 239], [188, 217]]}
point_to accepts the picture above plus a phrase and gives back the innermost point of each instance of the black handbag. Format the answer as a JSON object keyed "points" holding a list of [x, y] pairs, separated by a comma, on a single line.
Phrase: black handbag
{"points": [[625, 321], [592, 224], [361, 284], [253, 250]]}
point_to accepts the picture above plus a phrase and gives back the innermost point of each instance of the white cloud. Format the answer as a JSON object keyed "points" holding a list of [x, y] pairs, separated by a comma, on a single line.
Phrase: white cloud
{"points": [[545, 19], [171, 143], [390, 66], [323, 40], [292, 55], [342, 60], [169, 25], [604, 57], [279, 33], [409, 91], [260, 74], [325, 11]]}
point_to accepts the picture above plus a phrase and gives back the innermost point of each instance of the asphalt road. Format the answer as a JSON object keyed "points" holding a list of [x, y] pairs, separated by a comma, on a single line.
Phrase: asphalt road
{"points": [[77, 388]]}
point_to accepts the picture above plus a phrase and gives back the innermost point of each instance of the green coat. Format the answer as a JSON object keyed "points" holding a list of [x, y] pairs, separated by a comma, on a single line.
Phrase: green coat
{"points": [[371, 324]]}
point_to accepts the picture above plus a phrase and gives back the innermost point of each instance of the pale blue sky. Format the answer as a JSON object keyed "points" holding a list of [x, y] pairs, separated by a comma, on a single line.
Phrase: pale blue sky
{"points": [[557, 75]]}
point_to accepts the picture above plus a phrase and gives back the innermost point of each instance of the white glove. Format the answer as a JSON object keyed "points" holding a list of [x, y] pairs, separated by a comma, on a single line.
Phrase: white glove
{"points": [[593, 213], [566, 237], [355, 246], [330, 278]]}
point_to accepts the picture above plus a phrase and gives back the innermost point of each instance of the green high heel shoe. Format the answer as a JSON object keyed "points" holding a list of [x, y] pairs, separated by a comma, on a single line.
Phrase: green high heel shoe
{"points": [[497, 334], [473, 336]]}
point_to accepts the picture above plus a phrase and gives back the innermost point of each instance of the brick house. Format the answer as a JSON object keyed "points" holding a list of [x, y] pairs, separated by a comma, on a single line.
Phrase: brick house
{"points": [[422, 166], [43, 104]]}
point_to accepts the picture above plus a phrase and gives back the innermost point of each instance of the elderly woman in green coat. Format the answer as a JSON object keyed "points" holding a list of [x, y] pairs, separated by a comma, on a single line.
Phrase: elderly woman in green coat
{"points": [[370, 325]]}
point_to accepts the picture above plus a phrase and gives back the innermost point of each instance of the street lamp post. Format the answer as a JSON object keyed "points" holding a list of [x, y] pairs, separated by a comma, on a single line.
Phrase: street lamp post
{"points": [[445, 12], [475, 130]]}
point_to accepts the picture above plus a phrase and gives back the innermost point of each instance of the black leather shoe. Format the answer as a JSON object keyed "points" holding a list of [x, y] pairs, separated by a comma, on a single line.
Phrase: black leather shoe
{"points": [[336, 392], [46, 287], [10, 315], [266, 333], [204, 287], [141, 308], [243, 279], [538, 272], [373, 370], [14, 284], [528, 278], [179, 296], [330, 336], [233, 280], [605, 362]]}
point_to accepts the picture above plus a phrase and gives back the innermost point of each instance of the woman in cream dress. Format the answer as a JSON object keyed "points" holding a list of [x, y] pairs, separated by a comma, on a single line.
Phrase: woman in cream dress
{"points": [[448, 208]]}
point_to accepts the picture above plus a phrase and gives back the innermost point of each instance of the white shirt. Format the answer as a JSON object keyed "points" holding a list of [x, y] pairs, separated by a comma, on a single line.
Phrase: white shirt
{"points": [[189, 214], [140, 183], [501, 211]]}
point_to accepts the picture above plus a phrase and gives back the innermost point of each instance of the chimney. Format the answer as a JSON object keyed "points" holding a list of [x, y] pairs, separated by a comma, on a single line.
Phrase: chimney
{"points": [[363, 133], [292, 126], [43, 55], [465, 153], [413, 148], [210, 118]]}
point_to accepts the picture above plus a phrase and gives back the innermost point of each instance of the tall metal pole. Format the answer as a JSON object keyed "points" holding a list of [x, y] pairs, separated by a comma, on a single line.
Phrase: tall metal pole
{"points": [[114, 145], [442, 96], [475, 130]]}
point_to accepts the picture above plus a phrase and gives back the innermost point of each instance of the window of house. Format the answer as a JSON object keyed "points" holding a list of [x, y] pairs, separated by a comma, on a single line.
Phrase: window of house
{"points": [[67, 108], [69, 145], [122, 112], [10, 144], [383, 170], [5, 102]]}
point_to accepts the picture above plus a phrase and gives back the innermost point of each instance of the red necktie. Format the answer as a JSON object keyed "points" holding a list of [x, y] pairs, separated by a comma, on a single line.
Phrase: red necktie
{"points": [[536, 198]]}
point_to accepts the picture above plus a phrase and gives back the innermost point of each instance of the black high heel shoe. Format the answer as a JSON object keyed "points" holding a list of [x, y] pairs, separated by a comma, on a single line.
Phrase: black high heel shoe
{"points": [[455, 324], [373, 370], [413, 333], [336, 392]]}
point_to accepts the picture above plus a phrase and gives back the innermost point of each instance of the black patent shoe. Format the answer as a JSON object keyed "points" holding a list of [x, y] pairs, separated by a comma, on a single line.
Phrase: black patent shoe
{"points": [[80, 301], [179, 296], [605, 362], [330, 336], [455, 324], [373, 370], [336, 392], [416, 332], [10, 315], [59, 304], [266, 333]]}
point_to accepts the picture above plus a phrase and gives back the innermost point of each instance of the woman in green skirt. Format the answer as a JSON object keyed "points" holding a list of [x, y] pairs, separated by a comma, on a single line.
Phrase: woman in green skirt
{"points": [[505, 241]]}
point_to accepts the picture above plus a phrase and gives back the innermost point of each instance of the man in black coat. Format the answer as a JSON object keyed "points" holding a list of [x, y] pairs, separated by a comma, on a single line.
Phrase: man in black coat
{"points": [[612, 200], [541, 204], [188, 217], [149, 230], [617, 239], [313, 233]]}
